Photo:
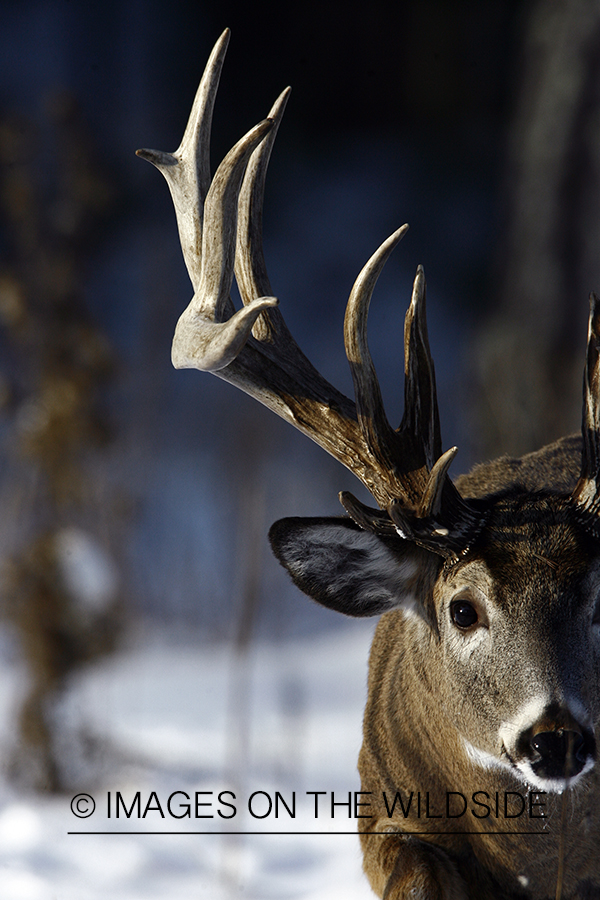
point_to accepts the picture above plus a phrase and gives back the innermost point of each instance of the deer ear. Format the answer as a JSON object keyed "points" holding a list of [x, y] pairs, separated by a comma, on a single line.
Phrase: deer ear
{"points": [[350, 570]]}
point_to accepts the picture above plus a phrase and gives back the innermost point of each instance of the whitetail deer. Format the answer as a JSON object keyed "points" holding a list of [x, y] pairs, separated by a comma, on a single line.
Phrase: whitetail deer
{"points": [[484, 680]]}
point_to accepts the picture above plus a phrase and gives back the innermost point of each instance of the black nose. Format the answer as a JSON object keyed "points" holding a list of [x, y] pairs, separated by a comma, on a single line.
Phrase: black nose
{"points": [[560, 753]]}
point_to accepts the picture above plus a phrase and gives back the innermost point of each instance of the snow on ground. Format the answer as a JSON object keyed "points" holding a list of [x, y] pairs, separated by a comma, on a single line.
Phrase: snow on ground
{"points": [[180, 720]]}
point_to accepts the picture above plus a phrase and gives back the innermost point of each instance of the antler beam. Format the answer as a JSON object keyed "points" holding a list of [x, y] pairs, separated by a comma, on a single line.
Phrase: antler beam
{"points": [[220, 227]]}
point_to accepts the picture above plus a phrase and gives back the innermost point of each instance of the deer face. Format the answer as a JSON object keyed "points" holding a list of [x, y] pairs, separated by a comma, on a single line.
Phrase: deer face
{"points": [[509, 636], [519, 626]]}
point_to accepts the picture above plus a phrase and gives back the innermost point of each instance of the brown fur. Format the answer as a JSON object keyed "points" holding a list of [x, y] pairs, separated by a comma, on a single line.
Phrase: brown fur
{"points": [[411, 743]]}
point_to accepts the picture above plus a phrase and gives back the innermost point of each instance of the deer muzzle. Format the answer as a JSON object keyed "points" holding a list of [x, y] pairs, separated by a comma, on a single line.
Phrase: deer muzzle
{"points": [[557, 747]]}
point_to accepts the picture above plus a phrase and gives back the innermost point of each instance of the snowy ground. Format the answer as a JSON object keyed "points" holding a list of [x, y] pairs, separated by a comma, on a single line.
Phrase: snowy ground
{"points": [[186, 719]]}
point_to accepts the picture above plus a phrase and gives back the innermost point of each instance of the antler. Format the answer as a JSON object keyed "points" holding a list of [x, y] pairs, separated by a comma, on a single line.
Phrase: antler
{"points": [[220, 227], [587, 489]]}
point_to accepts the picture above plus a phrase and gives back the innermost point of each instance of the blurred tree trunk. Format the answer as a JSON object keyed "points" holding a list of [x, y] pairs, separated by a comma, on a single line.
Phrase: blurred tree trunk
{"points": [[59, 586], [531, 354]]}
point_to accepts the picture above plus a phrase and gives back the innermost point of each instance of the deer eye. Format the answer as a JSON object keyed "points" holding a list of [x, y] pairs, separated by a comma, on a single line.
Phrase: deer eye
{"points": [[463, 613]]}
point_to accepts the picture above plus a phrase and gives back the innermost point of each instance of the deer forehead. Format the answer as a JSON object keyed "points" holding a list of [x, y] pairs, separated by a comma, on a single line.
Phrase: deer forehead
{"points": [[529, 588], [529, 551]]}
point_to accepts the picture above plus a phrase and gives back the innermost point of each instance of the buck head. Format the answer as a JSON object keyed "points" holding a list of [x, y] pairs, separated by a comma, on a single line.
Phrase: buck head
{"points": [[503, 590], [506, 637], [496, 590]]}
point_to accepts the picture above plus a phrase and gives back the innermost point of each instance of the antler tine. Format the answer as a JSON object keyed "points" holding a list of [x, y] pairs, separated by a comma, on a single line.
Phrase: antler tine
{"points": [[195, 143], [220, 226], [421, 421], [203, 339], [586, 492], [378, 433], [422, 502], [250, 268], [407, 457], [187, 170], [431, 501]]}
